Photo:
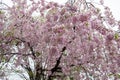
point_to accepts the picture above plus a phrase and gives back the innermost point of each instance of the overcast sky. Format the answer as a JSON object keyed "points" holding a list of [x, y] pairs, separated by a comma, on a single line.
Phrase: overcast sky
{"points": [[113, 4]]}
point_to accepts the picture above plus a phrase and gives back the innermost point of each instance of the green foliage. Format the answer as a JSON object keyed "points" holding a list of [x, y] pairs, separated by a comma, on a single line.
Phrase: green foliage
{"points": [[116, 36]]}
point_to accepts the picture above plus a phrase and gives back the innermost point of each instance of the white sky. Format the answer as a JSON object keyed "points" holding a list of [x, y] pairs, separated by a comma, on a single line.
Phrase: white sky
{"points": [[113, 4], [115, 7]]}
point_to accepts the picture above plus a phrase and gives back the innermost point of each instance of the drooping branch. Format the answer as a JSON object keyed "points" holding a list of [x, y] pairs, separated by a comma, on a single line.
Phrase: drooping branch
{"points": [[30, 72], [15, 54]]}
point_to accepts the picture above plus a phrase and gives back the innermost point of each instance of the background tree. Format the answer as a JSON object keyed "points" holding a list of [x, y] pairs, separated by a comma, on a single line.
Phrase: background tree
{"points": [[64, 42]]}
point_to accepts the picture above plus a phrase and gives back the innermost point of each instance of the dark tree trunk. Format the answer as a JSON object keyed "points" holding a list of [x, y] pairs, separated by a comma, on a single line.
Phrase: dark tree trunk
{"points": [[39, 73]]}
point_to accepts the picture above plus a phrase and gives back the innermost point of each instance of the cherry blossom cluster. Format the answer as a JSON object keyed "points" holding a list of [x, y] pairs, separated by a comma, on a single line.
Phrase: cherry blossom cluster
{"points": [[64, 41]]}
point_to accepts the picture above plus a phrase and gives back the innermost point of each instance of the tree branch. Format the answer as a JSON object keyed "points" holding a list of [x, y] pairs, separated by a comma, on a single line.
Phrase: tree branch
{"points": [[15, 54], [56, 67], [30, 47]]}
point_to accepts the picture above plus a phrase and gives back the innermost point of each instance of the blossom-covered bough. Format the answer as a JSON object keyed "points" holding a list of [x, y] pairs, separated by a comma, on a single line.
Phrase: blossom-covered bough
{"points": [[63, 42]]}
